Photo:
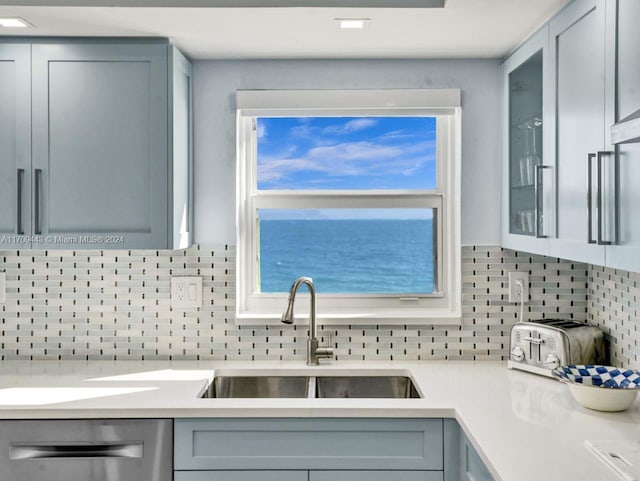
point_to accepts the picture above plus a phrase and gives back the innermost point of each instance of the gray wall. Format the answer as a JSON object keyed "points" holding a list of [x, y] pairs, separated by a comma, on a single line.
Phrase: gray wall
{"points": [[215, 84]]}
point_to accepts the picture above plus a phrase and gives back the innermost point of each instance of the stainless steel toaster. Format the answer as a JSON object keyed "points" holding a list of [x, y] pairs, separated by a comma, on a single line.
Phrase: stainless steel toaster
{"points": [[540, 346]]}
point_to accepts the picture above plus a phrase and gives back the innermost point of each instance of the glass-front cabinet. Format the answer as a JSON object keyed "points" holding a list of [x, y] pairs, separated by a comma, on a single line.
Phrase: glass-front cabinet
{"points": [[527, 179], [525, 145]]}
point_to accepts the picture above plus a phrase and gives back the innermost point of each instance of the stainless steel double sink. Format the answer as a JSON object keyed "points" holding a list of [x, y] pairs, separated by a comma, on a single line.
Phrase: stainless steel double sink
{"points": [[324, 386]]}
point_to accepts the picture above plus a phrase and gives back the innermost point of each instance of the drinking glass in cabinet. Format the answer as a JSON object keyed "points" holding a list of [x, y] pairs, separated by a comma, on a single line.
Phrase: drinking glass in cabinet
{"points": [[527, 221], [530, 159], [533, 159], [525, 146], [525, 164]]}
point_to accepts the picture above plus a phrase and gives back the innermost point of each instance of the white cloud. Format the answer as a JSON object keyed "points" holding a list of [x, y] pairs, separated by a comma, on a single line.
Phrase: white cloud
{"points": [[301, 130], [396, 135], [350, 159], [350, 126], [354, 151], [273, 170], [262, 130]]}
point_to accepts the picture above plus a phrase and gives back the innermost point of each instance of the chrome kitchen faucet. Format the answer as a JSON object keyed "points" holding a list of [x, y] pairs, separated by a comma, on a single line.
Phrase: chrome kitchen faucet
{"points": [[314, 350]]}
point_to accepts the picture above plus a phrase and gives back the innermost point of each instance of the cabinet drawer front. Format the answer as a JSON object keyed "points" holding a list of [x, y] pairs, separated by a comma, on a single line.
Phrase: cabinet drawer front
{"points": [[376, 476], [241, 476], [408, 444]]}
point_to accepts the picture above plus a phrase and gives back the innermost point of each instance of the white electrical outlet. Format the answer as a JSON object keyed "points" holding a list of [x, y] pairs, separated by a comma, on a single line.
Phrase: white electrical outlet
{"points": [[514, 286], [3, 288], [186, 292]]}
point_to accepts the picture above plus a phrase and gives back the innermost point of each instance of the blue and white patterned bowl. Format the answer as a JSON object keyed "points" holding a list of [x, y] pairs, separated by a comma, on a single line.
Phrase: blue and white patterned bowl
{"points": [[603, 388], [599, 376]]}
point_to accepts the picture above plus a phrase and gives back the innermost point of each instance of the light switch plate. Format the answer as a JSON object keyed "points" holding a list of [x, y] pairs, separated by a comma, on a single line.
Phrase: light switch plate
{"points": [[3, 288], [186, 292]]}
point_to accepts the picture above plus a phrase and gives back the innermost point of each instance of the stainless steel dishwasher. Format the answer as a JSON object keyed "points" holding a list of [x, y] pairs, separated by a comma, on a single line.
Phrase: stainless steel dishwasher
{"points": [[87, 450]]}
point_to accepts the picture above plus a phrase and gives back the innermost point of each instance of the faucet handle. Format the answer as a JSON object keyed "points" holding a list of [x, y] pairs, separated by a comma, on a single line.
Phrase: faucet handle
{"points": [[315, 352], [330, 338], [324, 351]]}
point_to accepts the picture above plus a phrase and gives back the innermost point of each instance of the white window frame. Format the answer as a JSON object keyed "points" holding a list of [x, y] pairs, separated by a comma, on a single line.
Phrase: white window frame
{"points": [[440, 307]]}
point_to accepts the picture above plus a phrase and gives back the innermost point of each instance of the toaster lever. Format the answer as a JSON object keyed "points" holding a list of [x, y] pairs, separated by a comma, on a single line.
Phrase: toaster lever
{"points": [[534, 340]]}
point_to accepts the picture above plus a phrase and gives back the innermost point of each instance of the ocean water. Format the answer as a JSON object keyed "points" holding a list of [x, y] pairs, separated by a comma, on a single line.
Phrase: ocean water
{"points": [[350, 256]]}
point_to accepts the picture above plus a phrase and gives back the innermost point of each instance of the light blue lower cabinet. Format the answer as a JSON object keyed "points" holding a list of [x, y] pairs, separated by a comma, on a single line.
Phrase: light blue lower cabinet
{"points": [[241, 476], [472, 468], [376, 476], [309, 444], [308, 476], [324, 450]]}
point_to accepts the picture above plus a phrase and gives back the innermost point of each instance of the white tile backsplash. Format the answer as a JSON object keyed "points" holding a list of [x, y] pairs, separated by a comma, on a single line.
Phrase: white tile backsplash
{"points": [[614, 305], [116, 305]]}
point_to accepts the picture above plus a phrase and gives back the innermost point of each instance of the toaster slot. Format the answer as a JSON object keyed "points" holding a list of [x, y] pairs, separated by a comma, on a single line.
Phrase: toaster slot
{"points": [[534, 341]]}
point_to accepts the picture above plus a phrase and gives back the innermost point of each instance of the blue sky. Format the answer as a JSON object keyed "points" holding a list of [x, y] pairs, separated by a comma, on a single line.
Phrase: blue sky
{"points": [[346, 153]]}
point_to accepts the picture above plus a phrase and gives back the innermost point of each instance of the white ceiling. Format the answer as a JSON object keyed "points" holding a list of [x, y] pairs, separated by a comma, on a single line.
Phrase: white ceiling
{"points": [[462, 29]]}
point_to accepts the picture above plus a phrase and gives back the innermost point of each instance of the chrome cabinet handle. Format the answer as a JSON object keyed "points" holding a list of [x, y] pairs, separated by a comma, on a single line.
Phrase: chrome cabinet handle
{"points": [[590, 238], [538, 196], [19, 228], [616, 197], [601, 241], [98, 450], [36, 215]]}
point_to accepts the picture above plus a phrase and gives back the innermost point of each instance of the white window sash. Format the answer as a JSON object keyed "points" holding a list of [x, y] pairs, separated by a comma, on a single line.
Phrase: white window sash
{"points": [[337, 201]]}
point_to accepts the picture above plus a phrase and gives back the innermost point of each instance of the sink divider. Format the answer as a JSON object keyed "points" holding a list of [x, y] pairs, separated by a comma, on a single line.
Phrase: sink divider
{"points": [[311, 387]]}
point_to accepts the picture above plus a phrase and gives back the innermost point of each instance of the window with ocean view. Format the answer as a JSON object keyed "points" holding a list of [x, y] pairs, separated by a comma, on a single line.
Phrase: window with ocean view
{"points": [[358, 199], [360, 251], [347, 250]]}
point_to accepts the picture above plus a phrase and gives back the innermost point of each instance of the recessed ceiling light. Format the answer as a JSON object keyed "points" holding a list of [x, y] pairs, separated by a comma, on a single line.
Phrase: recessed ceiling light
{"points": [[14, 22], [353, 23]]}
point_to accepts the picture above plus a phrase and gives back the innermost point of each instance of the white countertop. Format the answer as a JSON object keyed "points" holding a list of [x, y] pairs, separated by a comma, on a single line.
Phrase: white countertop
{"points": [[525, 427]]}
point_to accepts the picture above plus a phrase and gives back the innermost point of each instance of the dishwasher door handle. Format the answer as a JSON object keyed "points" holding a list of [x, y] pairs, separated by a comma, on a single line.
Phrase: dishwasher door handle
{"points": [[89, 450]]}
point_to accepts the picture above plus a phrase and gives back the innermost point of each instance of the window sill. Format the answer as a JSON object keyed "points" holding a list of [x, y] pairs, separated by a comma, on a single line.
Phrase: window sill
{"points": [[377, 317]]}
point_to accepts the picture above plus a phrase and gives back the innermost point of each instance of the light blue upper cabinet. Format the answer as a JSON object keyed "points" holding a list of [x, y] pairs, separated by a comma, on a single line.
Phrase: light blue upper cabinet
{"points": [[526, 175], [15, 146], [181, 146], [110, 148], [624, 253], [100, 145], [582, 39], [586, 188]]}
